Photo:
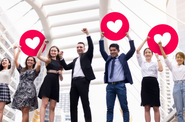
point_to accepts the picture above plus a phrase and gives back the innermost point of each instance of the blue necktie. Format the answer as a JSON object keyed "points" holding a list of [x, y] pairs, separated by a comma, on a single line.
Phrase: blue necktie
{"points": [[112, 67]]}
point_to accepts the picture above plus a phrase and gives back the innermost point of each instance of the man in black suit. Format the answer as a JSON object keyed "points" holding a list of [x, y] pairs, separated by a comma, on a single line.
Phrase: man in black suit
{"points": [[82, 74]]}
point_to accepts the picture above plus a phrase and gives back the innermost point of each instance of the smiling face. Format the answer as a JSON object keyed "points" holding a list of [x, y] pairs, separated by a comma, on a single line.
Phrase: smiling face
{"points": [[53, 52], [5, 63], [180, 58], [30, 62], [114, 51], [80, 48], [148, 54]]}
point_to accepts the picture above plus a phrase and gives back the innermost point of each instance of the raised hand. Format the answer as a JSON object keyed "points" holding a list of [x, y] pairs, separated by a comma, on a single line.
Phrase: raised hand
{"points": [[102, 35], [61, 54], [46, 41], [85, 31], [160, 43], [19, 48], [14, 47], [127, 35]]}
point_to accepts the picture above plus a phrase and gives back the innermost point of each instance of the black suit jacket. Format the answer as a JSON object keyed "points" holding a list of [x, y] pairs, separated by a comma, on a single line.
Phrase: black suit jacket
{"points": [[85, 61]]}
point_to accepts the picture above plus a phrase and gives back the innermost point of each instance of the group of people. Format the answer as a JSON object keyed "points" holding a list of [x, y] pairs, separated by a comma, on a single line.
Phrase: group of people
{"points": [[117, 74]]}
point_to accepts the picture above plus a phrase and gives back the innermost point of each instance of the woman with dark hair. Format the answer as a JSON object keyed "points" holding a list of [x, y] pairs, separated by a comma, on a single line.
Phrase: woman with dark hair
{"points": [[6, 72], [150, 91], [25, 98], [178, 73], [49, 90]]}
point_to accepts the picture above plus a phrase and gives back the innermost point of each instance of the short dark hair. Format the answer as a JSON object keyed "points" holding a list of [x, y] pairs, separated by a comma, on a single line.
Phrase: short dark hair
{"points": [[81, 43], [146, 49], [114, 45]]}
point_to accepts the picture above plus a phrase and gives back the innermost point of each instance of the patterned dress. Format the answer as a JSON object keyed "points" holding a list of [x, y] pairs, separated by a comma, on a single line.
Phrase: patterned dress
{"points": [[25, 94]]}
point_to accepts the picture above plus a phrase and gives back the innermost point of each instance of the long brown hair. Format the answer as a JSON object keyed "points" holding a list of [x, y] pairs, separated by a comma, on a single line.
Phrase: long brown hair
{"points": [[26, 65], [57, 57], [181, 54]]}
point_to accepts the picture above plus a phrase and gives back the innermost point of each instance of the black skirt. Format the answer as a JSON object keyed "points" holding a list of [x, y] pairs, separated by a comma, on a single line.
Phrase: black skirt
{"points": [[150, 92], [50, 87]]}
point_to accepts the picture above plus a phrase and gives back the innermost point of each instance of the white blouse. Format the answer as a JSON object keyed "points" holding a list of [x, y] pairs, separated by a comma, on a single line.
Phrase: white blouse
{"points": [[5, 75], [178, 72], [147, 69]]}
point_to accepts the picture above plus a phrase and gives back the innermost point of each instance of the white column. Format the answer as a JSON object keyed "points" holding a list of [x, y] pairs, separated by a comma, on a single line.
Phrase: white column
{"points": [[105, 9]]}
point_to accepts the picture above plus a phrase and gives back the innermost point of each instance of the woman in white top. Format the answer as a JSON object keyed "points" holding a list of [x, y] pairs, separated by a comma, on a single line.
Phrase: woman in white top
{"points": [[178, 72], [150, 88], [6, 72]]}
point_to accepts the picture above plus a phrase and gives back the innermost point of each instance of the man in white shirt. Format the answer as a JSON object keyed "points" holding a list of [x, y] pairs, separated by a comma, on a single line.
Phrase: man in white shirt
{"points": [[82, 74]]}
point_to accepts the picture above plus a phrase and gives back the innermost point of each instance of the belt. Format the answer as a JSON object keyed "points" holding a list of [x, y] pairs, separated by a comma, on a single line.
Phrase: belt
{"points": [[113, 83], [52, 71], [76, 78], [179, 81]]}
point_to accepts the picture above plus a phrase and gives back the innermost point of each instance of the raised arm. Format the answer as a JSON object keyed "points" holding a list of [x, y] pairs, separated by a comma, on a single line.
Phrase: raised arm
{"points": [[44, 59], [90, 43], [16, 56], [66, 66], [139, 48], [102, 49], [38, 66], [132, 47], [160, 67], [162, 51]]}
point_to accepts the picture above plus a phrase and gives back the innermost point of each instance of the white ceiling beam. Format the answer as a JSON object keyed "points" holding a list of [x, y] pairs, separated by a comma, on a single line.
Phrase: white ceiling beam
{"points": [[105, 8], [37, 6], [83, 7], [75, 21], [50, 2], [74, 33]]}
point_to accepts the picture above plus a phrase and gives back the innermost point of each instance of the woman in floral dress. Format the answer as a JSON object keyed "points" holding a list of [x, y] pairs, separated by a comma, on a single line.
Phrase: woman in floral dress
{"points": [[25, 98]]}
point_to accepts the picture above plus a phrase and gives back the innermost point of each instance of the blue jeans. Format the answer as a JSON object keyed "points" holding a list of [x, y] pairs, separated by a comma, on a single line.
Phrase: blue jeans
{"points": [[179, 98], [120, 90]]}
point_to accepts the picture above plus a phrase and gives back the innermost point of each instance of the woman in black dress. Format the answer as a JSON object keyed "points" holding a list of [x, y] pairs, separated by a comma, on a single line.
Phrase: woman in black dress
{"points": [[150, 91], [49, 90], [25, 97]]}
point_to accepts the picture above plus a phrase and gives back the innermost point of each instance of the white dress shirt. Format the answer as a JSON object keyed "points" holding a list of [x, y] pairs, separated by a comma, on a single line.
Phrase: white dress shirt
{"points": [[178, 72], [77, 69], [147, 69]]}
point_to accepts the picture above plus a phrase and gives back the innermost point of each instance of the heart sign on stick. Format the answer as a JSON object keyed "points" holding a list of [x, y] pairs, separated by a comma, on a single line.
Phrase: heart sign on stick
{"points": [[31, 41], [167, 35], [114, 25]]}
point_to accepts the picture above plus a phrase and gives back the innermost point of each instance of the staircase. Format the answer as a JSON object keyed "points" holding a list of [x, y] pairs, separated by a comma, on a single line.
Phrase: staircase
{"points": [[172, 117]]}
